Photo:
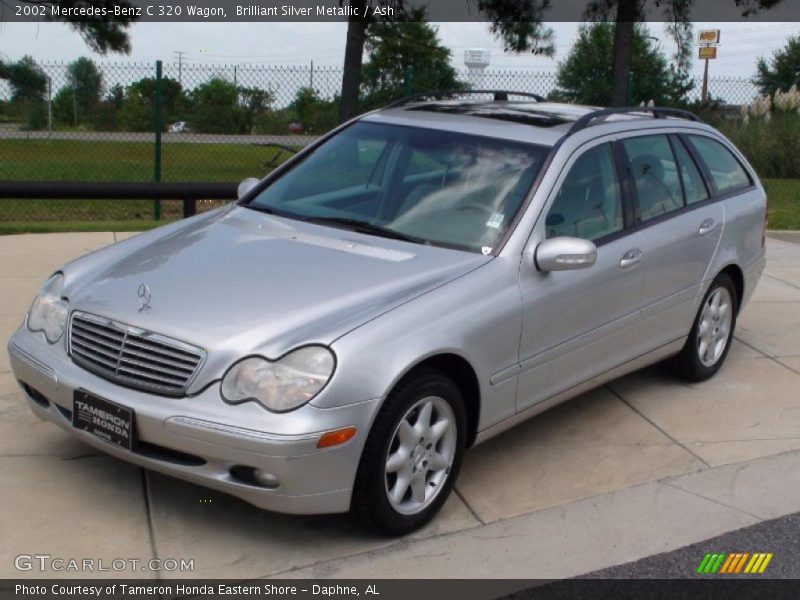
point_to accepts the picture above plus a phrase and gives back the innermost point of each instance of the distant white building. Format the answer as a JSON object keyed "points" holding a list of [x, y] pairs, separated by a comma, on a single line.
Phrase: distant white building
{"points": [[476, 61]]}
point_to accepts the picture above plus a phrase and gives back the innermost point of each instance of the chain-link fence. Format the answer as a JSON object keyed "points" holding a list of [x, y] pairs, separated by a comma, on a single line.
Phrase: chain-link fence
{"points": [[98, 122]]}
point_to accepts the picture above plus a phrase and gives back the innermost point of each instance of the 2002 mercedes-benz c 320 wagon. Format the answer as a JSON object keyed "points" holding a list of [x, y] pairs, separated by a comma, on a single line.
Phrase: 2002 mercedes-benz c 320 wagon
{"points": [[415, 282]]}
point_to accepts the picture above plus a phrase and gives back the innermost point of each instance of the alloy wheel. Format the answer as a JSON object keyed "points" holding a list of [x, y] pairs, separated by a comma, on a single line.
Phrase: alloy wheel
{"points": [[420, 455], [714, 330]]}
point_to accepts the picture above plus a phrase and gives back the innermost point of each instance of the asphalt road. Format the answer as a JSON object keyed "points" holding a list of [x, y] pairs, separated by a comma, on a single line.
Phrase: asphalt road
{"points": [[780, 536], [672, 575]]}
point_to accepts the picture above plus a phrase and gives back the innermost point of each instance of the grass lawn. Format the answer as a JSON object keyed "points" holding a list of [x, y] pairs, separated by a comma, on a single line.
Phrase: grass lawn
{"points": [[69, 160], [16, 227], [784, 203]]}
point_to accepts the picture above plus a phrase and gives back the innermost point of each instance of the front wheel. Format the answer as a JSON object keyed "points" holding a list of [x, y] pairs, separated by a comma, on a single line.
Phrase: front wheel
{"points": [[710, 339], [412, 455]]}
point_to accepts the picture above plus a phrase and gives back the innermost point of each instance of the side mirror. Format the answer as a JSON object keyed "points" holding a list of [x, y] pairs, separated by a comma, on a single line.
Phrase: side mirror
{"points": [[246, 185], [564, 254]]}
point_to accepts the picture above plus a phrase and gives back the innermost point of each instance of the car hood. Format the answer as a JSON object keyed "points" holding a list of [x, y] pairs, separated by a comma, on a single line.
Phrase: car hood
{"points": [[241, 282]]}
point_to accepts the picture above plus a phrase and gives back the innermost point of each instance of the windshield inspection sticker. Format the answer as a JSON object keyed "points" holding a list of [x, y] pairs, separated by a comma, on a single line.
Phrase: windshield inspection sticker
{"points": [[495, 220]]}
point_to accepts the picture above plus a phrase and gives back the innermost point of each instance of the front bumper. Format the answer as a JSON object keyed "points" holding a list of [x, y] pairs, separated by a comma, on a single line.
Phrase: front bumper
{"points": [[201, 438]]}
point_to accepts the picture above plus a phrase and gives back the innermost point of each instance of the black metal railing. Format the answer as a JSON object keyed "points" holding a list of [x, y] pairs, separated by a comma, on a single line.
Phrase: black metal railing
{"points": [[188, 192]]}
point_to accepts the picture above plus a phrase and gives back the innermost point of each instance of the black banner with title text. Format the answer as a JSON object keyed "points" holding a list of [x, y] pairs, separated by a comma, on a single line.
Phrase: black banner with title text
{"points": [[393, 589], [717, 11]]}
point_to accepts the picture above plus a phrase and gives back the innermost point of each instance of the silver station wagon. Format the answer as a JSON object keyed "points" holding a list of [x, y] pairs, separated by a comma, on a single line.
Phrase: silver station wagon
{"points": [[418, 280]]}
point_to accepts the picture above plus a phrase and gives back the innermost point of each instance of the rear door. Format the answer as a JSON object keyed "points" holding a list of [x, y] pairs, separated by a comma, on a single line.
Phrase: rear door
{"points": [[681, 226]]}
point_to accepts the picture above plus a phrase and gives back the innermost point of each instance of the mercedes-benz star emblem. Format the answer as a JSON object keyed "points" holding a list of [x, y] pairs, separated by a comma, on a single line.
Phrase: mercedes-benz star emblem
{"points": [[144, 298]]}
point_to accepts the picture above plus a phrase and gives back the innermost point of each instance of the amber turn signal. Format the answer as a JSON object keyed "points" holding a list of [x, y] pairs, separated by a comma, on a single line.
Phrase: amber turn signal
{"points": [[335, 438]]}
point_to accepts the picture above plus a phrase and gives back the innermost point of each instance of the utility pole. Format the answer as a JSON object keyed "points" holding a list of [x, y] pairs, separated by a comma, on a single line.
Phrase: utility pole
{"points": [[179, 54]]}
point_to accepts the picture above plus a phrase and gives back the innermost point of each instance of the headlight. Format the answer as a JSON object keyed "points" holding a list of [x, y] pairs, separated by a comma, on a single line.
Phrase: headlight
{"points": [[48, 312], [283, 385]]}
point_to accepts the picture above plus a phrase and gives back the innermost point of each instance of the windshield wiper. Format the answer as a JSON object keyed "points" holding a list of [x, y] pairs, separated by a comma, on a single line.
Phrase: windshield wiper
{"points": [[360, 226]]}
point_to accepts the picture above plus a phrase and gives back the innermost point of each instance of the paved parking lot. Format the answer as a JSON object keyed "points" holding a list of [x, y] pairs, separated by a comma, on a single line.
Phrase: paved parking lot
{"points": [[644, 465]]}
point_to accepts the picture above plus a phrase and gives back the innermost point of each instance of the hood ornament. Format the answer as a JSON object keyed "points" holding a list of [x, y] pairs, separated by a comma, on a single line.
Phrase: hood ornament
{"points": [[144, 298]]}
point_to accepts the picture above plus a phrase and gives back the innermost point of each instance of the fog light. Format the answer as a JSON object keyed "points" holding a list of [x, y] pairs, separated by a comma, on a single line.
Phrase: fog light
{"points": [[254, 477], [267, 480]]}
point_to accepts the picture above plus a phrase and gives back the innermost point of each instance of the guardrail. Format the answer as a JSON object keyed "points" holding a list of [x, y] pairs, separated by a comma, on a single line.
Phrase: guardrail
{"points": [[189, 193]]}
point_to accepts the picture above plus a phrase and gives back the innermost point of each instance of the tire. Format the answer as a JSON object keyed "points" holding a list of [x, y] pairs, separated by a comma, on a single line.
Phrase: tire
{"points": [[429, 459], [698, 361]]}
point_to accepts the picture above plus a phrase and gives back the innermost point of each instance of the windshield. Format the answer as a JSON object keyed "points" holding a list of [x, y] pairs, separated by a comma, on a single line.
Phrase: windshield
{"points": [[427, 186]]}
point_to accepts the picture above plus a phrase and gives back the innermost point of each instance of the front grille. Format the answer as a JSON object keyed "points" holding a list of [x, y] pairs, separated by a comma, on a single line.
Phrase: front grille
{"points": [[132, 357]]}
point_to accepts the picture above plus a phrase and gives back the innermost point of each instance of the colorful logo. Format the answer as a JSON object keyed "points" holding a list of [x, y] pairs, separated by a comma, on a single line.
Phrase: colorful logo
{"points": [[734, 563]]}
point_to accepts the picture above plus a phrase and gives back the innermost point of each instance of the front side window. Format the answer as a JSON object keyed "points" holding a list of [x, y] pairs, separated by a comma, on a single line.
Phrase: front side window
{"points": [[655, 175], [428, 186], [589, 203], [726, 172]]}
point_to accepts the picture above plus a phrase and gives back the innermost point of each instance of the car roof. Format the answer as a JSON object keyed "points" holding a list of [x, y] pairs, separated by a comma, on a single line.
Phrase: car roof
{"points": [[531, 121]]}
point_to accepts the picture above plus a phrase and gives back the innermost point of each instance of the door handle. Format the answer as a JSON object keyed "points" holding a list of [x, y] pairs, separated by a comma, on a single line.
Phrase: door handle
{"points": [[631, 258], [707, 227]]}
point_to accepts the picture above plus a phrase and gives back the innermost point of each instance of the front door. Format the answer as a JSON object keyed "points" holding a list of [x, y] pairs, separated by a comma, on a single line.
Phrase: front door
{"points": [[577, 324]]}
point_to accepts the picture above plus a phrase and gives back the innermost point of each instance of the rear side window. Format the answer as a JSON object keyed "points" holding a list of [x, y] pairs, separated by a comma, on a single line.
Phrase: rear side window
{"points": [[693, 184], [725, 170], [655, 175], [589, 203]]}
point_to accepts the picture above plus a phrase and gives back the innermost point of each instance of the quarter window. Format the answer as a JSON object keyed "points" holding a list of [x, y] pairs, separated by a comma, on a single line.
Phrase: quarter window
{"points": [[693, 184], [589, 203], [655, 175], [725, 170]]}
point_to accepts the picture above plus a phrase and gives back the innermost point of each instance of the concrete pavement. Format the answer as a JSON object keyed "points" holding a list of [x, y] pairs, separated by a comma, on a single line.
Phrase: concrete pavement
{"points": [[643, 465]]}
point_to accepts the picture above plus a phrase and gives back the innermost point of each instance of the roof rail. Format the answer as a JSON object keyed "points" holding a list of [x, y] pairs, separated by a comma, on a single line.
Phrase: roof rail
{"points": [[601, 115], [499, 96]]}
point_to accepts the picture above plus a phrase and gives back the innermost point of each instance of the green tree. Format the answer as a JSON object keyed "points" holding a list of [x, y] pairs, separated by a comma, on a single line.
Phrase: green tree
{"points": [[517, 22], [584, 77], [214, 106], [27, 80], [626, 13], [782, 71], [314, 114], [138, 107], [106, 115], [396, 50], [102, 34], [219, 106], [28, 83], [255, 103], [75, 102]]}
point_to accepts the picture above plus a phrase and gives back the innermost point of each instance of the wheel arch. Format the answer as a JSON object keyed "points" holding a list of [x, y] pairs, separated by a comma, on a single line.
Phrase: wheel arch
{"points": [[736, 274], [463, 375]]}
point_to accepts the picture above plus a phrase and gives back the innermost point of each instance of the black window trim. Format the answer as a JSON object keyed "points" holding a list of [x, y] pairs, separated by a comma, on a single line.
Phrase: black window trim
{"points": [[677, 140], [671, 141]]}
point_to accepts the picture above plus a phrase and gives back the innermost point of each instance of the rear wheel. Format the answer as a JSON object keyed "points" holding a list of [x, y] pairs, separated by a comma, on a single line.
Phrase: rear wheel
{"points": [[412, 455], [710, 339]]}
